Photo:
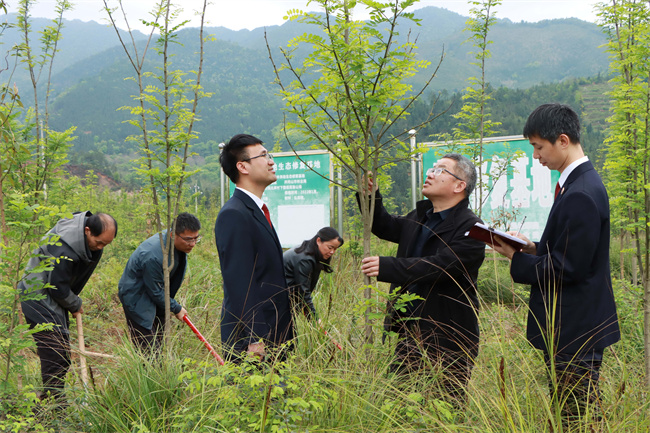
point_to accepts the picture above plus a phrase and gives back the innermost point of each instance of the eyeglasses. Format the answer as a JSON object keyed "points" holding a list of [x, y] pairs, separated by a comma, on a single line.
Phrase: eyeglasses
{"points": [[195, 240], [437, 171], [266, 155]]}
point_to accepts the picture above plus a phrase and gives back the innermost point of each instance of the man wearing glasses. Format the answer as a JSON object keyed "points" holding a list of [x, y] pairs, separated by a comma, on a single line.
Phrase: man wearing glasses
{"points": [[256, 314], [438, 263], [142, 286]]}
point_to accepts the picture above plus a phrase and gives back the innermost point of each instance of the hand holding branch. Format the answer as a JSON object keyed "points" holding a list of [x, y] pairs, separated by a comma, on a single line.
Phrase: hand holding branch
{"points": [[370, 266], [370, 185]]}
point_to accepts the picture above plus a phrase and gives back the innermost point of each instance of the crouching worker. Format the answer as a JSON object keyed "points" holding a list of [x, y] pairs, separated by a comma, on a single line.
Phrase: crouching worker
{"points": [[303, 265], [142, 286], [47, 297]]}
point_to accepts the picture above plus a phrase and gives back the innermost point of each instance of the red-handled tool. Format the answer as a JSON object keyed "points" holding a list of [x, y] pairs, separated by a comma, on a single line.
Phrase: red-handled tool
{"points": [[202, 338], [332, 339]]}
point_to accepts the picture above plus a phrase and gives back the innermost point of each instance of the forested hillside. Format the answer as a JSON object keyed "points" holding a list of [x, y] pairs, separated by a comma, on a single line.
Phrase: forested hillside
{"points": [[90, 82]]}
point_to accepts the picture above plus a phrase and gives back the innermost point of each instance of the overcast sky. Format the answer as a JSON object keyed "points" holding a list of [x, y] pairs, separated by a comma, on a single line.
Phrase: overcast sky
{"points": [[250, 14]]}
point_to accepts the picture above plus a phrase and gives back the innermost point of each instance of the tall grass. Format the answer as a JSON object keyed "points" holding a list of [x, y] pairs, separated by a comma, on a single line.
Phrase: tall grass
{"points": [[321, 388]]}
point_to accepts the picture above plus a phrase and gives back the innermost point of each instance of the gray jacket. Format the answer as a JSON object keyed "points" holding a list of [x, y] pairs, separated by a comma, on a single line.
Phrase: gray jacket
{"points": [[74, 265], [142, 286]]}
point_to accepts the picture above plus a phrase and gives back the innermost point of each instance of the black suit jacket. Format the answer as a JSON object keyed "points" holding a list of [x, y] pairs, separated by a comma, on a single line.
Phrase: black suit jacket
{"points": [[571, 301], [444, 274], [256, 301]]}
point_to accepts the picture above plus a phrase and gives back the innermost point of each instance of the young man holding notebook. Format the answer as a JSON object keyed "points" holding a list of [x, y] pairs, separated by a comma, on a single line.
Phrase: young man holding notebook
{"points": [[572, 316]]}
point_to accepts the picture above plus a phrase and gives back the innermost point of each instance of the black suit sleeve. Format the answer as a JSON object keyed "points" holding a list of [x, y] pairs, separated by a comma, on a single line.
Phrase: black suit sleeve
{"points": [[567, 260], [449, 262]]}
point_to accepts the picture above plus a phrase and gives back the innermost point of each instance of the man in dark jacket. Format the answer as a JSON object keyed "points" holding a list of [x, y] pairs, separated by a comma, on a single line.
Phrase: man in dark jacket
{"points": [[47, 297], [142, 286], [437, 262]]}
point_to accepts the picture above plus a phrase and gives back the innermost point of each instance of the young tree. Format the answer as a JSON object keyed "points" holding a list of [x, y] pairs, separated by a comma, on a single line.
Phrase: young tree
{"points": [[37, 62], [474, 123], [32, 155], [165, 112], [627, 24], [349, 90]]}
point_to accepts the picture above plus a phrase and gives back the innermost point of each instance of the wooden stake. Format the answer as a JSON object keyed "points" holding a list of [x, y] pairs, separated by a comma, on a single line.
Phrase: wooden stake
{"points": [[82, 350]]}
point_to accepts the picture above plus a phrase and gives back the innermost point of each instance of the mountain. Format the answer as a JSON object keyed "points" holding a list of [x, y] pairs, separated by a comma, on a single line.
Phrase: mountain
{"points": [[80, 41], [90, 75]]}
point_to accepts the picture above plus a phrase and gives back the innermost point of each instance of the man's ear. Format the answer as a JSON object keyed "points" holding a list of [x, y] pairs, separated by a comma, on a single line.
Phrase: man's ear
{"points": [[564, 140], [242, 167], [87, 231], [460, 186]]}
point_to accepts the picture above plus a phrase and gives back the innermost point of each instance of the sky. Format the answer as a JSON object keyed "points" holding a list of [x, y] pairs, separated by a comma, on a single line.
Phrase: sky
{"points": [[250, 14]]}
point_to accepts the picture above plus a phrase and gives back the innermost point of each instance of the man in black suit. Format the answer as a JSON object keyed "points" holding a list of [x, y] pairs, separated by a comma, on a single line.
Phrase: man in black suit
{"points": [[572, 316], [436, 261], [256, 314]]}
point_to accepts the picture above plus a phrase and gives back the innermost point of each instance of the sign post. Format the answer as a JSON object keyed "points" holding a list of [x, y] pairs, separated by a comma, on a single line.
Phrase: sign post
{"points": [[299, 201]]}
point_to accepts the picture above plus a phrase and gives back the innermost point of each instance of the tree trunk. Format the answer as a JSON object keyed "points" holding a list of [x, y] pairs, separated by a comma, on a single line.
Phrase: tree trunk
{"points": [[3, 220], [621, 256], [635, 277], [367, 293], [646, 331]]}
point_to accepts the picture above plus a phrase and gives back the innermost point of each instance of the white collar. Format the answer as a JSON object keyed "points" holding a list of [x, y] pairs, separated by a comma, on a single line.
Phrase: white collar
{"points": [[567, 171], [258, 201]]}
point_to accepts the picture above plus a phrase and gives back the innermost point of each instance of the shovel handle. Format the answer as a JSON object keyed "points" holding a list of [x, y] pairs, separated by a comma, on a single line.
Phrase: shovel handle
{"points": [[82, 350], [205, 342]]}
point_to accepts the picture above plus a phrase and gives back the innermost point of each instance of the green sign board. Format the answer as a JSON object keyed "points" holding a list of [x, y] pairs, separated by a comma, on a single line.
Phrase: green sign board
{"points": [[299, 201], [526, 189]]}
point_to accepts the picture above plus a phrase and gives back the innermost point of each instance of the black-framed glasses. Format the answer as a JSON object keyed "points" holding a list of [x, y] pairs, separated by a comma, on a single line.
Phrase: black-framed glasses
{"points": [[194, 240], [266, 155], [437, 171]]}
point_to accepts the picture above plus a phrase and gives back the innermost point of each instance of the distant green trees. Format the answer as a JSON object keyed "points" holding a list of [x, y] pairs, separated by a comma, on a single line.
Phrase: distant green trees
{"points": [[474, 118]]}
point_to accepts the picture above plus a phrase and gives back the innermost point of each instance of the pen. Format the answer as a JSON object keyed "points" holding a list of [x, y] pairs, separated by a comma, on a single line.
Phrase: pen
{"points": [[522, 224]]}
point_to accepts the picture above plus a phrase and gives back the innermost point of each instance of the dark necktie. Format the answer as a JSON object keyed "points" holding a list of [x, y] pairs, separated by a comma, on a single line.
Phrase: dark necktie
{"points": [[267, 214], [557, 189]]}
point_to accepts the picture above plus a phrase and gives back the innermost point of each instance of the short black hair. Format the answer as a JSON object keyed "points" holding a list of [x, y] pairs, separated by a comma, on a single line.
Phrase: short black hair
{"points": [[100, 222], [548, 121], [187, 222], [235, 151]]}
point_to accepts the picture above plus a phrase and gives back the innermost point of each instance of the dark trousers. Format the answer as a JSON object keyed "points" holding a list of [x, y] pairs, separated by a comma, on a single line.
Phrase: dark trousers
{"points": [[148, 341], [573, 382], [53, 349], [416, 352]]}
